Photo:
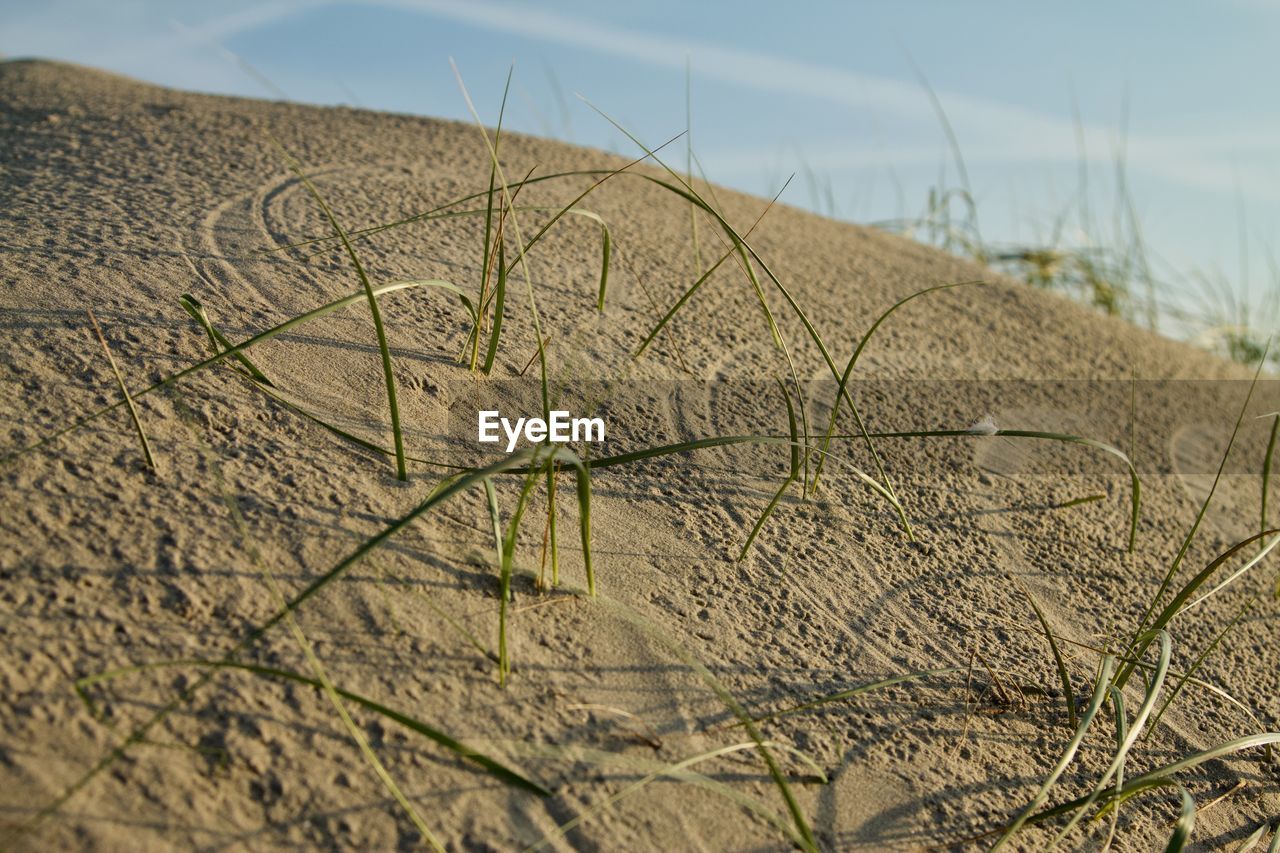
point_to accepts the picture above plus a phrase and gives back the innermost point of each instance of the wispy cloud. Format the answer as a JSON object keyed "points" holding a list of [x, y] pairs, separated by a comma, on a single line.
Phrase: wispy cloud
{"points": [[991, 130]]}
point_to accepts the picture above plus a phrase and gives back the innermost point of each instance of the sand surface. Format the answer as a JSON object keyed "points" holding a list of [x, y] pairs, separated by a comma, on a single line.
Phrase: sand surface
{"points": [[121, 196]]}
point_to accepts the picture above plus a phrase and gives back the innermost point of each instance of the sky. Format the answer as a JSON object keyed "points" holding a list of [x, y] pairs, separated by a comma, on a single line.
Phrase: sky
{"points": [[1043, 99]]}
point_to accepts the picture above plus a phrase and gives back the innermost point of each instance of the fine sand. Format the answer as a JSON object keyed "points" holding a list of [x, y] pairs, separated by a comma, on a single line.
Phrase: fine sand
{"points": [[120, 197]]}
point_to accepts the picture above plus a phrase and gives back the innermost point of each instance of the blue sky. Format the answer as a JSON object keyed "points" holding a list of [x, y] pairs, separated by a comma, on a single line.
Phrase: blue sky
{"points": [[828, 90]]}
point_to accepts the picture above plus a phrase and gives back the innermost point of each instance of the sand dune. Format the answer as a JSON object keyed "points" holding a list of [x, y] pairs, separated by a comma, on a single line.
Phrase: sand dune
{"points": [[121, 197]]}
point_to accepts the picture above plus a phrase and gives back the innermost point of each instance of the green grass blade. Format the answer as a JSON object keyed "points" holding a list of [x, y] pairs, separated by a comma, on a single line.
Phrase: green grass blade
{"points": [[218, 341], [124, 393], [499, 307], [1266, 475], [1063, 675], [388, 374], [606, 253], [487, 261], [1139, 720], [1126, 671], [1068, 754], [1142, 642], [1196, 664], [841, 388], [551, 524], [504, 578], [702, 278], [727, 441], [792, 474], [1122, 732], [1183, 828]]}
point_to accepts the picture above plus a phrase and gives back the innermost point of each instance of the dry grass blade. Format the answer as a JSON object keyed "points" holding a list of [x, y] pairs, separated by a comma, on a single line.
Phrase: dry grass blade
{"points": [[124, 393]]}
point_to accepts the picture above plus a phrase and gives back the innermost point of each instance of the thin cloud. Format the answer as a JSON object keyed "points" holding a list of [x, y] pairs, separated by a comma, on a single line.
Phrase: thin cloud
{"points": [[995, 130]]}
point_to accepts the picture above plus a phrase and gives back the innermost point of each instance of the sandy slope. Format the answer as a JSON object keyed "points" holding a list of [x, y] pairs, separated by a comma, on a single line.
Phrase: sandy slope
{"points": [[122, 196]]}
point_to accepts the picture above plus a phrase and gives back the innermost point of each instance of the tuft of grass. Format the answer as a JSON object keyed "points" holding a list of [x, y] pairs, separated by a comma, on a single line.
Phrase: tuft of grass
{"points": [[749, 256], [124, 393]]}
